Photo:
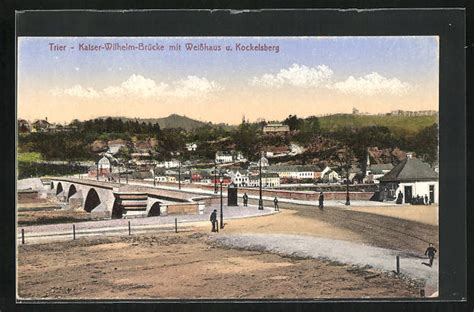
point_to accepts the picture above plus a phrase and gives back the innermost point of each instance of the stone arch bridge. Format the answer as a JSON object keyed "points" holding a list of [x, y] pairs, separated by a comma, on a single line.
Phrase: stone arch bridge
{"points": [[114, 200]]}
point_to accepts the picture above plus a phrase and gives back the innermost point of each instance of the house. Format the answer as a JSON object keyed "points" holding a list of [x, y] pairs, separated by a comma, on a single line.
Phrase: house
{"points": [[224, 157], [114, 146], [411, 177], [239, 179], [103, 167], [376, 171], [23, 126], [276, 151], [296, 172], [41, 125], [191, 147], [173, 163], [276, 128], [269, 180], [330, 174]]}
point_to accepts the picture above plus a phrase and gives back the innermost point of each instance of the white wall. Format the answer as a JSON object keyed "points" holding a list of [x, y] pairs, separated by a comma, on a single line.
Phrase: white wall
{"points": [[420, 188]]}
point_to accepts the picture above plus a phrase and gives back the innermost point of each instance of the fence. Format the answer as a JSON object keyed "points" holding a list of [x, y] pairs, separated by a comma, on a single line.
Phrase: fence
{"points": [[76, 232]]}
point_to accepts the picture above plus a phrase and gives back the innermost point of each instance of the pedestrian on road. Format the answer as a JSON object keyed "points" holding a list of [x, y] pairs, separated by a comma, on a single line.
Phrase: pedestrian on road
{"points": [[246, 199], [213, 220], [430, 252], [321, 200], [400, 198], [275, 202]]}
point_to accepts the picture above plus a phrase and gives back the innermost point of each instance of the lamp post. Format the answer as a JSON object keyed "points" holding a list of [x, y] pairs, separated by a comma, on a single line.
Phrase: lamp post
{"points": [[260, 199], [344, 160], [221, 180], [97, 171], [126, 173], [179, 175], [215, 176], [348, 201], [154, 178]]}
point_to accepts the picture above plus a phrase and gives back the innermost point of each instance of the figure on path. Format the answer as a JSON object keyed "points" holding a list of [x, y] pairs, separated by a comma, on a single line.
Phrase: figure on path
{"points": [[400, 198], [275, 202], [321, 200], [213, 220], [430, 252], [246, 199]]}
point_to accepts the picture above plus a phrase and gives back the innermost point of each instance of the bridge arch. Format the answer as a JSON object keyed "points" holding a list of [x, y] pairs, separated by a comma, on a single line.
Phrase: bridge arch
{"points": [[155, 210], [92, 200], [59, 188], [72, 191], [117, 210]]}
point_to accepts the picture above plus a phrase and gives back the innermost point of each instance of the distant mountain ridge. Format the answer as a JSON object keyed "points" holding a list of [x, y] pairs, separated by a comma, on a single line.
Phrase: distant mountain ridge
{"points": [[171, 121]]}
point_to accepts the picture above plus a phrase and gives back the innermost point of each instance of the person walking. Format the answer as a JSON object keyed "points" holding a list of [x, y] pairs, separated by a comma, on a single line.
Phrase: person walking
{"points": [[275, 202], [430, 252], [321, 200], [246, 199], [213, 220], [427, 201]]}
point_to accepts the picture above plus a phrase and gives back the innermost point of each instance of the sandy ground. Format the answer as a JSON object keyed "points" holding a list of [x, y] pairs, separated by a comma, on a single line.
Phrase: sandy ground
{"points": [[419, 213], [168, 265], [189, 266]]}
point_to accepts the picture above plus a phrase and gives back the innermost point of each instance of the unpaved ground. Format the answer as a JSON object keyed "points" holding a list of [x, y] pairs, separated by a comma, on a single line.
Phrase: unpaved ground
{"points": [[177, 266], [188, 266], [418, 213], [50, 216]]}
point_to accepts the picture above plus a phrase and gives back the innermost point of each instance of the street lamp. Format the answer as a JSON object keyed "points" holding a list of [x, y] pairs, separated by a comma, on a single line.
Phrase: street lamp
{"points": [[215, 176], [344, 160], [179, 175], [221, 180], [97, 171], [260, 199], [348, 201], [126, 173]]}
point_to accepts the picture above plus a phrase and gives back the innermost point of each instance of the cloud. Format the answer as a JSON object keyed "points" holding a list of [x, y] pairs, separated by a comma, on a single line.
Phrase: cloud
{"points": [[136, 86], [192, 86], [76, 91], [296, 75], [372, 84], [322, 76], [140, 87]]}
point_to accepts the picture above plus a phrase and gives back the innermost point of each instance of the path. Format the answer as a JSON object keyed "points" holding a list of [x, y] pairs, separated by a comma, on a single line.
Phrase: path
{"points": [[335, 250]]}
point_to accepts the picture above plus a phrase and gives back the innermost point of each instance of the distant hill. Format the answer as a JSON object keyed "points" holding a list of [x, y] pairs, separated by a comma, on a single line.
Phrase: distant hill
{"points": [[394, 123], [177, 121], [172, 121]]}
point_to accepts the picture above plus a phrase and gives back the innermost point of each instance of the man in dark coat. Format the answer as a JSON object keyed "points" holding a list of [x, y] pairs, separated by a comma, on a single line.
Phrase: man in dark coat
{"points": [[321, 200], [213, 220], [400, 198], [275, 202], [430, 252], [246, 199]]}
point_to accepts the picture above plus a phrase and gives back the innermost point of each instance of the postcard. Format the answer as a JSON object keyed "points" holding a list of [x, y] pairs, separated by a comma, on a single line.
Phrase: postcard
{"points": [[299, 167]]}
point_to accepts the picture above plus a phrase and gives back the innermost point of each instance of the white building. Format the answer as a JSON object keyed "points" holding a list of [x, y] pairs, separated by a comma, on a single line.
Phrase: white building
{"points": [[239, 179], [191, 147], [173, 163], [330, 175], [269, 180], [224, 157], [411, 178]]}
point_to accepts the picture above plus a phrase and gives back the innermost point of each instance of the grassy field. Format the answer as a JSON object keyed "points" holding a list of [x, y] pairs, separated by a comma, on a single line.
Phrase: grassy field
{"points": [[395, 123], [29, 157]]}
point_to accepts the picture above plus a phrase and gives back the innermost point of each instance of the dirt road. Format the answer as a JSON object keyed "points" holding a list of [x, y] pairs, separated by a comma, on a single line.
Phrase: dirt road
{"points": [[188, 266]]}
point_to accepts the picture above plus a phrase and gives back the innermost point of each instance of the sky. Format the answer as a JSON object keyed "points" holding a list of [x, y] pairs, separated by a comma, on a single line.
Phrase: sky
{"points": [[222, 79]]}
